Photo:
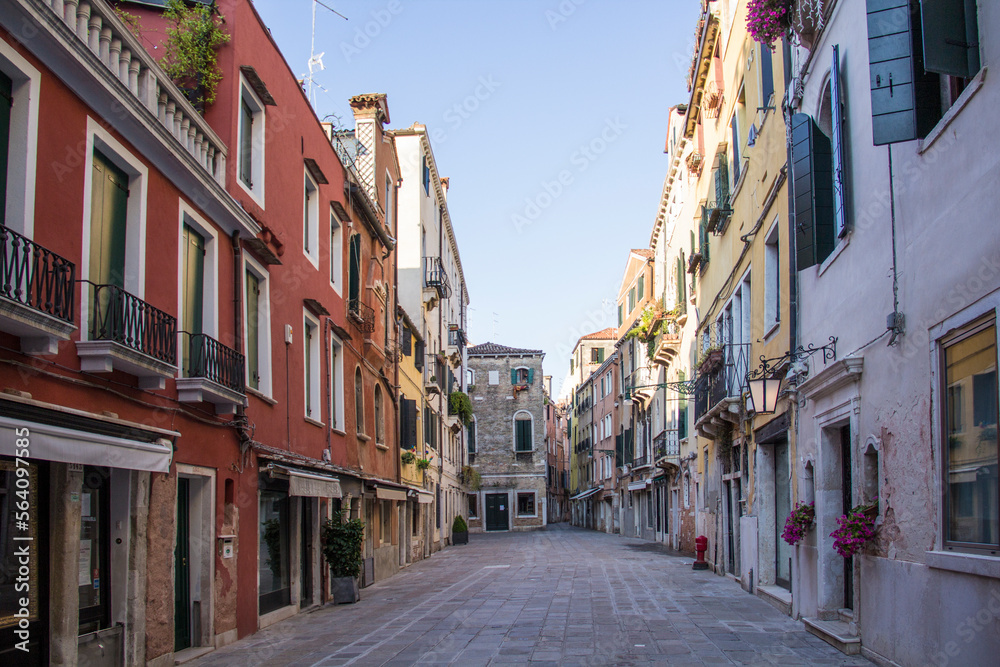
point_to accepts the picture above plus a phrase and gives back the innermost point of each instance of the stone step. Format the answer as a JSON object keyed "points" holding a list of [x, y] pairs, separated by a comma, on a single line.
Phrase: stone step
{"points": [[835, 633]]}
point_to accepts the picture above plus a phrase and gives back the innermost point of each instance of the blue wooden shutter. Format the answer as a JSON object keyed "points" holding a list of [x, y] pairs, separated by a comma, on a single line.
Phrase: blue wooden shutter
{"points": [[734, 125], [906, 102], [812, 180], [766, 75], [839, 156], [951, 37]]}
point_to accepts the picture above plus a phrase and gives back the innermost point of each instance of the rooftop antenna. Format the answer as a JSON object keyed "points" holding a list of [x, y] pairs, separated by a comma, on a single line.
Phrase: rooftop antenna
{"points": [[316, 59]]}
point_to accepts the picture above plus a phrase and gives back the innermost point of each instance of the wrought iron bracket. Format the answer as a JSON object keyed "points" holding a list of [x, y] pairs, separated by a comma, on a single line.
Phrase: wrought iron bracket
{"points": [[684, 388], [768, 367]]}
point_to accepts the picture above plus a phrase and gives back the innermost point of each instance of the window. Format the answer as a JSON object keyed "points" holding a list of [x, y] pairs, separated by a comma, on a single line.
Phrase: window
{"points": [[386, 528], [735, 126], [19, 94], [473, 506], [526, 504], [772, 278], [494, 377], [274, 571], [359, 402], [379, 416], [390, 199], [198, 277], [937, 49], [766, 75], [593, 355], [250, 147], [621, 316], [336, 384], [257, 317], [972, 508], [523, 435], [354, 274], [311, 348], [521, 376], [310, 219], [471, 439], [426, 176], [631, 299], [408, 423], [431, 428], [470, 377], [336, 254], [642, 280]]}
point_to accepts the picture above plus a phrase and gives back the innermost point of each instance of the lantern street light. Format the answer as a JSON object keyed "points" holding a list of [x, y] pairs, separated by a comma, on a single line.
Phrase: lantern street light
{"points": [[765, 380]]}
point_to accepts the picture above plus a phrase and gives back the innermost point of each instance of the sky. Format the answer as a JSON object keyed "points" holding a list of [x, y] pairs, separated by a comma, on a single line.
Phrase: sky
{"points": [[548, 116]]}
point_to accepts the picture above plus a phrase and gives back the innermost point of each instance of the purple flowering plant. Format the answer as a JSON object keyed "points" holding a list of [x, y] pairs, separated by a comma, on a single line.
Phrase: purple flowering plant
{"points": [[767, 20], [855, 529], [798, 523]]}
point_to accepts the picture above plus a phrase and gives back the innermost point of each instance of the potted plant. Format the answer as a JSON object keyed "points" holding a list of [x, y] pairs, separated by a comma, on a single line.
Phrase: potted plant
{"points": [[710, 359], [190, 59], [342, 542], [460, 406], [408, 457], [459, 531], [768, 20], [423, 464], [855, 529], [798, 523]]}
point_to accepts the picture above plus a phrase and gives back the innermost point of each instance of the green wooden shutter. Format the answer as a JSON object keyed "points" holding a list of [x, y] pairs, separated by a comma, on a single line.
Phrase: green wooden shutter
{"points": [[703, 236], [839, 155], [308, 337], [766, 75], [513, 376], [354, 271], [679, 277], [6, 101], [600, 355], [734, 125], [471, 440], [906, 102], [812, 179], [246, 143], [621, 317], [193, 289], [619, 451], [253, 339], [109, 206], [641, 286], [721, 182], [531, 375], [407, 341], [951, 37]]}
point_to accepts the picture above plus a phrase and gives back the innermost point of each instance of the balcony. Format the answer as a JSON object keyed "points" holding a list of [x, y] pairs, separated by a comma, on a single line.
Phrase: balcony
{"points": [[128, 334], [456, 338], [641, 462], [719, 387], [668, 343], [667, 448], [36, 293], [435, 277], [639, 380], [361, 314], [213, 373], [434, 375]]}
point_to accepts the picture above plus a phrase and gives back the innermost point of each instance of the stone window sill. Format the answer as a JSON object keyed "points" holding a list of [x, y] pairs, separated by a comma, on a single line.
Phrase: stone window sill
{"points": [[974, 564], [952, 113], [364, 438]]}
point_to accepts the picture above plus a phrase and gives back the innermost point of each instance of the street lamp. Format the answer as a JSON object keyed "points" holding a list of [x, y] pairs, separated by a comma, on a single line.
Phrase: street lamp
{"points": [[765, 380]]}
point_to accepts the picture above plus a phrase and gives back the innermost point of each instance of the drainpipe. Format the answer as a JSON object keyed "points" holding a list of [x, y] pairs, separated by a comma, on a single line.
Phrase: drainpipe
{"points": [[238, 336]]}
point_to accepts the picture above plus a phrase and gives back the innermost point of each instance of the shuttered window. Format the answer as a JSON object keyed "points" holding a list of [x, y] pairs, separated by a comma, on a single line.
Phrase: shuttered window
{"points": [[906, 101], [766, 75], [246, 143], [253, 325], [812, 177], [426, 177], [839, 155], [734, 126], [641, 286], [6, 101], [406, 341], [418, 355], [522, 434], [354, 270], [408, 423], [951, 37]]}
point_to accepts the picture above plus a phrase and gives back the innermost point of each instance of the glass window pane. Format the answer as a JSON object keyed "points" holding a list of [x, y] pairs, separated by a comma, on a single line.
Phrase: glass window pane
{"points": [[274, 560], [971, 429]]}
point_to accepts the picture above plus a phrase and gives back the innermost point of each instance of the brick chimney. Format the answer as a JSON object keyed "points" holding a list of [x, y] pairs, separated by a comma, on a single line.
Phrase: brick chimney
{"points": [[371, 112]]}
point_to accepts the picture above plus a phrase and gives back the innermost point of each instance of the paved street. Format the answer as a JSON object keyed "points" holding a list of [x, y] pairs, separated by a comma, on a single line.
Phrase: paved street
{"points": [[562, 596]]}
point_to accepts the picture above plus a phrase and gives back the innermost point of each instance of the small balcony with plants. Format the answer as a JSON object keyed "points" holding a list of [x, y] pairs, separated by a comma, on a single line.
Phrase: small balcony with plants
{"points": [[722, 371], [212, 373], [667, 448], [127, 334], [37, 293]]}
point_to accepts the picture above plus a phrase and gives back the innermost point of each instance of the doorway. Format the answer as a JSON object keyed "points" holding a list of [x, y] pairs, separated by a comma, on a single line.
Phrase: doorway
{"points": [[182, 568], [782, 507], [305, 553], [846, 504], [497, 512]]}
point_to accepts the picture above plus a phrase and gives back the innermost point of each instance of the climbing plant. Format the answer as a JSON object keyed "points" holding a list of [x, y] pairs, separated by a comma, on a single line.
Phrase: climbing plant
{"points": [[193, 40]]}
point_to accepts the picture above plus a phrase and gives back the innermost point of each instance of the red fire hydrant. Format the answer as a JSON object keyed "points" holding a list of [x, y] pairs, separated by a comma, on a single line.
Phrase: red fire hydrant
{"points": [[700, 546]]}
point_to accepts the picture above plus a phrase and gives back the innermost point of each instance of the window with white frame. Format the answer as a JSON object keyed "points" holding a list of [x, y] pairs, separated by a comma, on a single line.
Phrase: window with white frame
{"points": [[336, 384], [336, 254], [19, 94], [470, 377], [379, 416], [390, 202], [198, 284], [473, 506], [359, 402], [250, 147], [257, 326], [523, 432], [310, 218], [772, 278], [311, 366], [971, 451], [526, 503]]}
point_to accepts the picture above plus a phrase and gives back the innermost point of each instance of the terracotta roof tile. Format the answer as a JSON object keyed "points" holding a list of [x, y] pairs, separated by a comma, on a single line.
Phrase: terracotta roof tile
{"points": [[494, 349], [604, 334]]}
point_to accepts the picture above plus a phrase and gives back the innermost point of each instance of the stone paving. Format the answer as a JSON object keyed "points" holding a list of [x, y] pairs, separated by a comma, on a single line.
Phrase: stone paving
{"points": [[560, 596]]}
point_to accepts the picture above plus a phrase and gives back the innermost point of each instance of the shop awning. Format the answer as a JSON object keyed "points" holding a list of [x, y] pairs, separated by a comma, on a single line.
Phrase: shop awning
{"points": [[56, 443], [585, 494], [385, 493], [422, 497], [309, 484], [638, 486]]}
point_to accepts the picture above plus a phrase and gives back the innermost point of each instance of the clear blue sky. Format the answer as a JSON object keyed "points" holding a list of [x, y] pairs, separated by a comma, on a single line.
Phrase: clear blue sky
{"points": [[518, 95]]}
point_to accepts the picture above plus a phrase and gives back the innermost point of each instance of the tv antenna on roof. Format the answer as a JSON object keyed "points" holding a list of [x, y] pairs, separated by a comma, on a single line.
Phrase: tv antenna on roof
{"points": [[316, 59]]}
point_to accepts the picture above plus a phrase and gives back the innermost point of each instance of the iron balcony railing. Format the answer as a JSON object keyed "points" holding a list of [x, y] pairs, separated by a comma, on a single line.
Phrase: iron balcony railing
{"points": [[128, 320], [640, 461], [721, 376], [362, 314], [436, 277], [456, 338], [667, 444], [36, 277], [208, 358]]}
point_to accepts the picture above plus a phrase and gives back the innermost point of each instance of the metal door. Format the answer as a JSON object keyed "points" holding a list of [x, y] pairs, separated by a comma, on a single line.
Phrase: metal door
{"points": [[497, 512]]}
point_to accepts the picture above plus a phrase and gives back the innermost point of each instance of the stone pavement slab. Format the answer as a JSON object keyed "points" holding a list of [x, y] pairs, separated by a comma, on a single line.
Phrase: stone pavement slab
{"points": [[559, 596]]}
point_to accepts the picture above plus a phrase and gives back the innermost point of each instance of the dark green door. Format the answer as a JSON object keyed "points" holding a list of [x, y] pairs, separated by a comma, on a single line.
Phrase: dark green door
{"points": [[182, 571], [253, 334], [109, 202], [497, 512], [6, 101], [193, 282]]}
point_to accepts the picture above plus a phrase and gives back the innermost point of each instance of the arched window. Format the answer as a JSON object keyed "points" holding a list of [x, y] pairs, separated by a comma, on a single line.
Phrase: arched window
{"points": [[523, 432], [359, 401], [379, 424]]}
